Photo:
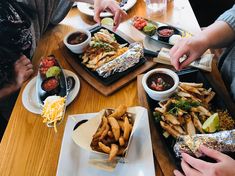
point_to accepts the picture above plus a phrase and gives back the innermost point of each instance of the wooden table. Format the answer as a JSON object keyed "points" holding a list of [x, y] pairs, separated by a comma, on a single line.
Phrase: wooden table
{"points": [[28, 147]]}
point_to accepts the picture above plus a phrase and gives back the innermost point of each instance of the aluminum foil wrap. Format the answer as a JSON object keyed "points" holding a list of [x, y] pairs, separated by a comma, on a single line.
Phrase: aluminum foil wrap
{"points": [[223, 141], [122, 62]]}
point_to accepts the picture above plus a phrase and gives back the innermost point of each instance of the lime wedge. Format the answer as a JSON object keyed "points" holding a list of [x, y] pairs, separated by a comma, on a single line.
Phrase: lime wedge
{"points": [[211, 124], [107, 21]]}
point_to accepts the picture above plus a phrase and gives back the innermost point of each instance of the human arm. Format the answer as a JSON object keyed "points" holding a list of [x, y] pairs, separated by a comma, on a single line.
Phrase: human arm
{"points": [[23, 69], [196, 167], [109, 5], [220, 34]]}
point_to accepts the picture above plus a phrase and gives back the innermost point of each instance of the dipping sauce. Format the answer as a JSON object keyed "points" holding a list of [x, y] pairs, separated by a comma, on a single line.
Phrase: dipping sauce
{"points": [[166, 32], [160, 82], [50, 84], [77, 38]]}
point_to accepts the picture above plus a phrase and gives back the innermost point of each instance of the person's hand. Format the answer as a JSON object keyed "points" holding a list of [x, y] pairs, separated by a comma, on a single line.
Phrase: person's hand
{"points": [[23, 70], [192, 47], [113, 7], [195, 167]]}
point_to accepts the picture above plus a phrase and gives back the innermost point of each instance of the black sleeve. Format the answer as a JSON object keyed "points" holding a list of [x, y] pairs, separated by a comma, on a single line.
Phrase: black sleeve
{"points": [[7, 60]]}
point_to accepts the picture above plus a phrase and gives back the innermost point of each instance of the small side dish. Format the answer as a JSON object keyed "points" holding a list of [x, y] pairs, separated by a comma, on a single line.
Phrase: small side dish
{"points": [[53, 110], [77, 41], [160, 83], [112, 135], [165, 32], [51, 88], [144, 25]]}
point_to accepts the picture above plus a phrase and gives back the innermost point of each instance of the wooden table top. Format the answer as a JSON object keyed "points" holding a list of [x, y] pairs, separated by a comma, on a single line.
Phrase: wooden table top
{"points": [[28, 147]]}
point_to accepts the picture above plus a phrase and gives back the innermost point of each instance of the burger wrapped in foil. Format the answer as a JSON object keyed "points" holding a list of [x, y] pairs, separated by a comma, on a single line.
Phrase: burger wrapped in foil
{"points": [[122, 62], [223, 141]]}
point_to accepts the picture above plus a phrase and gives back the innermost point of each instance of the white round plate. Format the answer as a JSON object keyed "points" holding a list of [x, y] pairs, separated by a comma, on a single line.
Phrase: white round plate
{"points": [[29, 98], [87, 8]]}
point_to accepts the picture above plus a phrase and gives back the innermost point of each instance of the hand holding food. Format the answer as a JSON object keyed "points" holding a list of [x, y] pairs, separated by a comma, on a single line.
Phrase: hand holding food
{"points": [[192, 166], [192, 47], [111, 137], [113, 7]]}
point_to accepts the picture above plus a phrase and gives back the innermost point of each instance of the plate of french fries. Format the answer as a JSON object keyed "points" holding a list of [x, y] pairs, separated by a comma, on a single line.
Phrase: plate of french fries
{"points": [[109, 134]]}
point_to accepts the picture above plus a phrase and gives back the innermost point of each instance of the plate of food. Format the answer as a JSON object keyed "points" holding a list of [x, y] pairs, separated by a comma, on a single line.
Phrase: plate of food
{"points": [[161, 32], [194, 115], [109, 57], [32, 102], [85, 157], [88, 9]]}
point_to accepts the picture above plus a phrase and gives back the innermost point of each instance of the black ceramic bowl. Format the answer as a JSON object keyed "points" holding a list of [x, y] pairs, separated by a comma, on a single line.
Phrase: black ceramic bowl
{"points": [[51, 85], [165, 32]]}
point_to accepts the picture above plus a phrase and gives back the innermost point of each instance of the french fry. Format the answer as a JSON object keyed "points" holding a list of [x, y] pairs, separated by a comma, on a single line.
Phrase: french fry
{"points": [[110, 134], [121, 141], [115, 127], [102, 128], [170, 118], [169, 129], [113, 151], [105, 132], [127, 129], [189, 126], [103, 147], [119, 112]]}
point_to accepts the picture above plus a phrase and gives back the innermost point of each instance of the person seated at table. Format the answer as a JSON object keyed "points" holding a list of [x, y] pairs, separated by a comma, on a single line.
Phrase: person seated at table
{"points": [[21, 26], [219, 34]]}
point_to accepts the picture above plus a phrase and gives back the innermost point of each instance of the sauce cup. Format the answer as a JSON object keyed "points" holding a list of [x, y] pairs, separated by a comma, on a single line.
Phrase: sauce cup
{"points": [[160, 95], [79, 47]]}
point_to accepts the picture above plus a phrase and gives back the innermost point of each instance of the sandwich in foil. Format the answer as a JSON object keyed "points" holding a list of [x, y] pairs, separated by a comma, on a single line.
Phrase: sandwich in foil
{"points": [[223, 141], [122, 62]]}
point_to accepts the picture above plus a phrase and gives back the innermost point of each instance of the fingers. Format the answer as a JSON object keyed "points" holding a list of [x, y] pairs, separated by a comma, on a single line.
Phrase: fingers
{"points": [[186, 62], [177, 53], [97, 15], [218, 156], [188, 170], [178, 173], [195, 163]]}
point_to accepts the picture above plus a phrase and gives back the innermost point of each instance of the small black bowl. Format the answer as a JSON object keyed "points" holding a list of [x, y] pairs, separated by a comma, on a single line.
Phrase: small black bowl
{"points": [[51, 85], [171, 31]]}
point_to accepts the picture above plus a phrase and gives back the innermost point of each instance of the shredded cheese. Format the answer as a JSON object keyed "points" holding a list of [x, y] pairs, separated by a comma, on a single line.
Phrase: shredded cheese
{"points": [[53, 110]]}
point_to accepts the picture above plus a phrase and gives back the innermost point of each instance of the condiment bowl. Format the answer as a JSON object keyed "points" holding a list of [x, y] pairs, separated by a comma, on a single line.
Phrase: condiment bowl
{"points": [[160, 95], [80, 47], [166, 37]]}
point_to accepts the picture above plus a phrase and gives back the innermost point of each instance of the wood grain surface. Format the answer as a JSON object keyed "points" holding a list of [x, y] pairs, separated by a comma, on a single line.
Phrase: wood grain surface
{"points": [[29, 147]]}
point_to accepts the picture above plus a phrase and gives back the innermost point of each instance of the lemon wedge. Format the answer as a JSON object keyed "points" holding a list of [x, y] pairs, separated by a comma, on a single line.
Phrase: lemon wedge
{"points": [[107, 21], [211, 124]]}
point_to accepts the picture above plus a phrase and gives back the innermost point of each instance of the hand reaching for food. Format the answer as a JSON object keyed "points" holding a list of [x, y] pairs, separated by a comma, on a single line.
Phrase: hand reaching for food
{"points": [[23, 70], [113, 7], [192, 48], [192, 166]]}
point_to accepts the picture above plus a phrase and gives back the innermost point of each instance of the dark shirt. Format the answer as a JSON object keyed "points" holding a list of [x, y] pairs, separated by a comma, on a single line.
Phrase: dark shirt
{"points": [[15, 38]]}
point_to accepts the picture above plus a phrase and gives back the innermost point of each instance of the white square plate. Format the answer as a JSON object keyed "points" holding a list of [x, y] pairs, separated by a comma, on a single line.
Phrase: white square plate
{"points": [[74, 161]]}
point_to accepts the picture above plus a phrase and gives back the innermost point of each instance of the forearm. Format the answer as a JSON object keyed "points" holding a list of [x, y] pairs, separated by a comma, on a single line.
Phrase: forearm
{"points": [[218, 35]]}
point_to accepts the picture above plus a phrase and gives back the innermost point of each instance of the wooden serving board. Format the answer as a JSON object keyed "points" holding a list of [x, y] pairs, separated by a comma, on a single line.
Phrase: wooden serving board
{"points": [[105, 90]]}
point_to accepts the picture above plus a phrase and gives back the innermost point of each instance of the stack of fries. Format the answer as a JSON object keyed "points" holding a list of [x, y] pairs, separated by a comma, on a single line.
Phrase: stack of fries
{"points": [[185, 112], [113, 133]]}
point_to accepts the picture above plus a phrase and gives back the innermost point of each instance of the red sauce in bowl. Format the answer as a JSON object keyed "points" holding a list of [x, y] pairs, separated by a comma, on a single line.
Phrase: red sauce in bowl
{"points": [[77, 38], [50, 84], [160, 81], [166, 32]]}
